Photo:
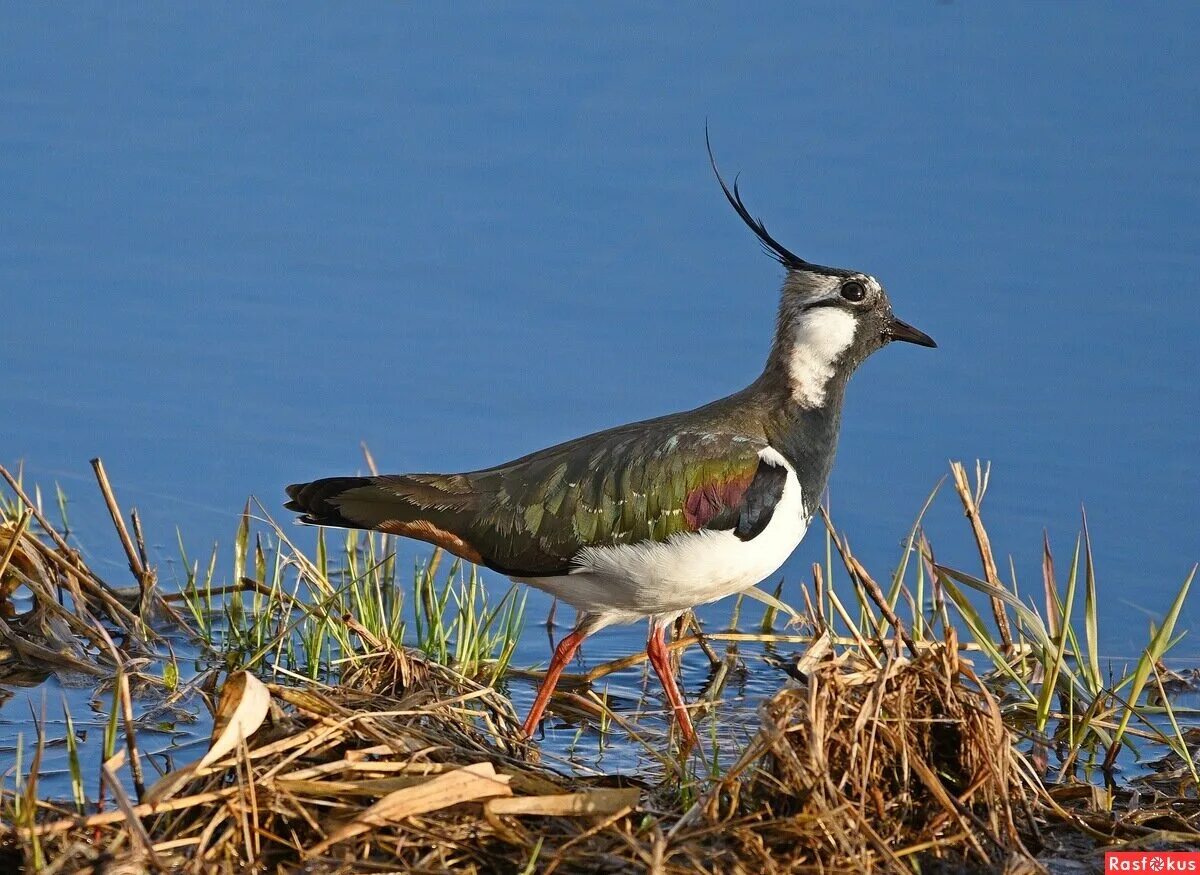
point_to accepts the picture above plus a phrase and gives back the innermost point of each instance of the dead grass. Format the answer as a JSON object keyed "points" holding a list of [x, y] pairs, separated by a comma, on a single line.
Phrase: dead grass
{"points": [[856, 771], [74, 614], [859, 769], [865, 766]]}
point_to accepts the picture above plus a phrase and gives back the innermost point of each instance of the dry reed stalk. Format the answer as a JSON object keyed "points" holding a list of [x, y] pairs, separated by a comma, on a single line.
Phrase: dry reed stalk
{"points": [[8, 583], [114, 511], [143, 573], [971, 501], [861, 577]]}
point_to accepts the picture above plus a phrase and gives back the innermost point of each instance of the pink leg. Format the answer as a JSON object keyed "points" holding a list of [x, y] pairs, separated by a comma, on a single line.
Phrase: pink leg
{"points": [[656, 650], [563, 654]]}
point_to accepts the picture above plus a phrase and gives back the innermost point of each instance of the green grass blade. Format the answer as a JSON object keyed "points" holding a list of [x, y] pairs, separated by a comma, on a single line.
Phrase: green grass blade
{"points": [[1152, 653], [1091, 626]]}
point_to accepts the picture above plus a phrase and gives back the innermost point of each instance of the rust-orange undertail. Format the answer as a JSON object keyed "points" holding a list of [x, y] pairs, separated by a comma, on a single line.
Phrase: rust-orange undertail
{"points": [[423, 530]]}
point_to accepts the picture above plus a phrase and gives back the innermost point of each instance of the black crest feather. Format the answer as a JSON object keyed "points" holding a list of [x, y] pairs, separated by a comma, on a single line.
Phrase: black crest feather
{"points": [[770, 245]]}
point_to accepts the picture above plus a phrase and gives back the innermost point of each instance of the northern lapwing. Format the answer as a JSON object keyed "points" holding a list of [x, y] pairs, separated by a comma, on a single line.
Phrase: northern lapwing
{"points": [[656, 517]]}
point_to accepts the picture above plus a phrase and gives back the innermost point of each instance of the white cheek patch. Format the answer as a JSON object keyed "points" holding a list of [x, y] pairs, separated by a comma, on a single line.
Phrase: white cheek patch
{"points": [[821, 335]]}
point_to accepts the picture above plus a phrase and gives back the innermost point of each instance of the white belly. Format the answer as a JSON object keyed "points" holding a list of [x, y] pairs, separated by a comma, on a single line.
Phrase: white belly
{"points": [[631, 581]]}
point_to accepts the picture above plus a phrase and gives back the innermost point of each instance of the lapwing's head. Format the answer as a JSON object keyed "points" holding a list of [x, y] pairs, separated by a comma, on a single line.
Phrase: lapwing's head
{"points": [[830, 319]]}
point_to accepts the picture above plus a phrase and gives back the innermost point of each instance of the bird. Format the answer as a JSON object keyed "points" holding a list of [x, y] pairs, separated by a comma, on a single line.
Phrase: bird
{"points": [[650, 519]]}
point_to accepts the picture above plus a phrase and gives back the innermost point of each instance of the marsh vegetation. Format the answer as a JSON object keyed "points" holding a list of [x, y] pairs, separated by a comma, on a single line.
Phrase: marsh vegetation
{"points": [[361, 717]]}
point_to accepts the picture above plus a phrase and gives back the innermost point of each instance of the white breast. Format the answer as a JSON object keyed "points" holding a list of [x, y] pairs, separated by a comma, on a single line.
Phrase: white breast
{"points": [[630, 581]]}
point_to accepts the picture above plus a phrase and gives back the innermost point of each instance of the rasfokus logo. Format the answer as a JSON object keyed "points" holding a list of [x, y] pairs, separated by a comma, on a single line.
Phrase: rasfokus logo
{"points": [[1152, 861]]}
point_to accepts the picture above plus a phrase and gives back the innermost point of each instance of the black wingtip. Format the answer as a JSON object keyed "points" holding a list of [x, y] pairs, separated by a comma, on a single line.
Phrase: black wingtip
{"points": [[293, 492], [770, 245], [313, 500]]}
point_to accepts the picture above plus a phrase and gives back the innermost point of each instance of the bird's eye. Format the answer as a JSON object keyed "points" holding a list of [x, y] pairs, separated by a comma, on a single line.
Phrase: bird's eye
{"points": [[853, 291]]}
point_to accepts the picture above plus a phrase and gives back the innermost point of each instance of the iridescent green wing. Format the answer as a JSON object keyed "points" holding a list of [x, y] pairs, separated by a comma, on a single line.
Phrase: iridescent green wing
{"points": [[532, 516]]}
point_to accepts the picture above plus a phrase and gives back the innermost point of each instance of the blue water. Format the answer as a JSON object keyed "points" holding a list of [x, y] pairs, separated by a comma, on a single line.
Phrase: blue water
{"points": [[235, 243]]}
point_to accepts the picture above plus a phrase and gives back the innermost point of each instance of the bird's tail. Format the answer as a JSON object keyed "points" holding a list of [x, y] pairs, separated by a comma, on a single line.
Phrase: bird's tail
{"points": [[438, 508], [315, 501]]}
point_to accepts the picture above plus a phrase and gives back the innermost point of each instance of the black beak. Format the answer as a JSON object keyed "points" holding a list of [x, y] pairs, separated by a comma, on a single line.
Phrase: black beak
{"points": [[903, 331]]}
